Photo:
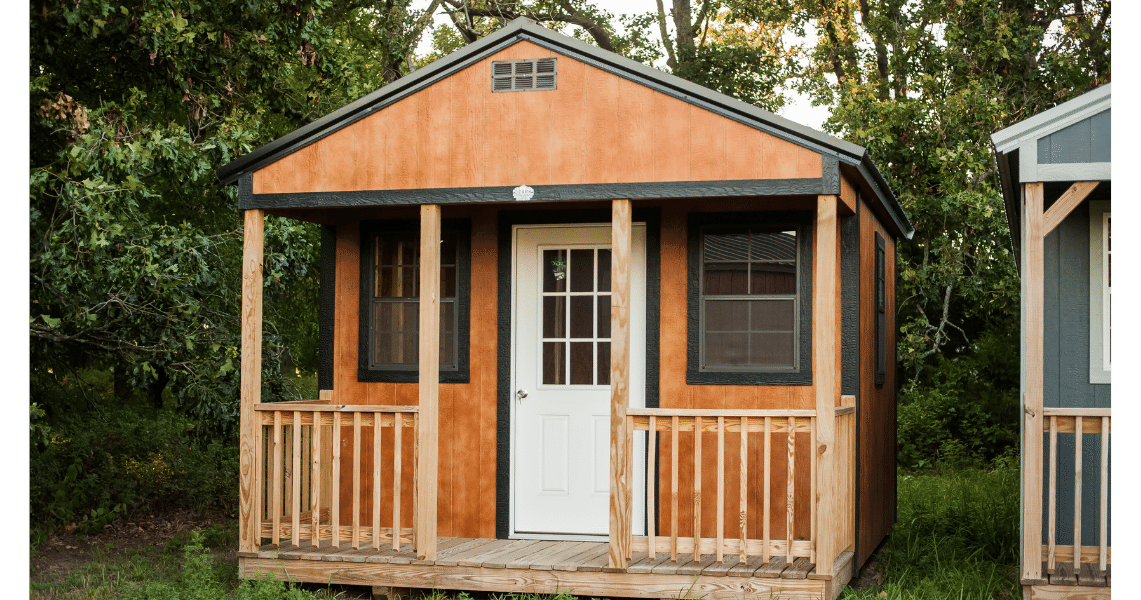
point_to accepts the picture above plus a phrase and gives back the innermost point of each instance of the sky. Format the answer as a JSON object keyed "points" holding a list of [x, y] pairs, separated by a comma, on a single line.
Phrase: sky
{"points": [[799, 108]]}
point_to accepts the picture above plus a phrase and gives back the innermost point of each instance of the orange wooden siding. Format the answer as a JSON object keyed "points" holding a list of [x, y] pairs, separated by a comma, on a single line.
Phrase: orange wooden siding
{"points": [[877, 402], [595, 128], [468, 411]]}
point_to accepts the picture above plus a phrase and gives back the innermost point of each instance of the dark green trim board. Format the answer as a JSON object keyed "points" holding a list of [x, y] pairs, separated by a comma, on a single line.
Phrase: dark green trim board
{"points": [[880, 306], [327, 303], [850, 334], [542, 193], [507, 219], [522, 29], [850, 304], [803, 373], [462, 229]]}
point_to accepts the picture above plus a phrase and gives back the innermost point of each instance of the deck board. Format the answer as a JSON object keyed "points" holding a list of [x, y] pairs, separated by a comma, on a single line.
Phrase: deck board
{"points": [[547, 559], [449, 557], [798, 569], [1091, 576], [648, 564], [722, 569], [773, 568], [748, 568], [485, 556], [1064, 575]]}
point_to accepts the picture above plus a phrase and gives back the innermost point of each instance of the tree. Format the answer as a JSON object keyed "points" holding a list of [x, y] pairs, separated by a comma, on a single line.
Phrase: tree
{"points": [[135, 245]]}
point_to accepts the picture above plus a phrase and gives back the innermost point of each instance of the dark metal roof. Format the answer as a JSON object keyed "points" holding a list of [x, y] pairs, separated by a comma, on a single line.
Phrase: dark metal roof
{"points": [[525, 29]]}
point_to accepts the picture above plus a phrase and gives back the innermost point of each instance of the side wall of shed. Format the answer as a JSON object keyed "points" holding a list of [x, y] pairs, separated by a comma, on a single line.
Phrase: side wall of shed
{"points": [[877, 420]]}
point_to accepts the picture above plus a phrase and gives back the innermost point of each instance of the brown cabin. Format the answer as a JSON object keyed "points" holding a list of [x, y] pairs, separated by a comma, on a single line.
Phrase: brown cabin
{"points": [[654, 326]]}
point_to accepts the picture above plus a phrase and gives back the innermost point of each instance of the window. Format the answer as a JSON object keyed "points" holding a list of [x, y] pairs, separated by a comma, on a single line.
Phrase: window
{"points": [[1100, 291], [390, 303], [749, 305], [881, 311]]}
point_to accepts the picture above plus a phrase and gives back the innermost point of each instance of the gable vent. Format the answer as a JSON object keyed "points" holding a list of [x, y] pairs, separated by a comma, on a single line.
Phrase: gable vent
{"points": [[523, 75]]}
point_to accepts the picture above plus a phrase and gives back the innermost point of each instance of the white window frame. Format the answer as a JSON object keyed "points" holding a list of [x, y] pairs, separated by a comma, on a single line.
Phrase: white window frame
{"points": [[1100, 292]]}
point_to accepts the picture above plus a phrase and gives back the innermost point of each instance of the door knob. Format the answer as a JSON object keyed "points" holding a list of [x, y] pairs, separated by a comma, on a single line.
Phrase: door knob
{"points": [[520, 394]]}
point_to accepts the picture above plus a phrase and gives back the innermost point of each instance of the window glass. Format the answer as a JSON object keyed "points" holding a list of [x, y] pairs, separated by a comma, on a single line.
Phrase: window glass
{"points": [[395, 322], [749, 298]]}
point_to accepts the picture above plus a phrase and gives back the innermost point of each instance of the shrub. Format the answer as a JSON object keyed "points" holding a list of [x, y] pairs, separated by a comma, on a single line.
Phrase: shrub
{"points": [[91, 469]]}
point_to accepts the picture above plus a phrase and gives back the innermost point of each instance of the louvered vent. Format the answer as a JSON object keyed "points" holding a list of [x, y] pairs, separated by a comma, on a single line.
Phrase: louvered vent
{"points": [[523, 75]]}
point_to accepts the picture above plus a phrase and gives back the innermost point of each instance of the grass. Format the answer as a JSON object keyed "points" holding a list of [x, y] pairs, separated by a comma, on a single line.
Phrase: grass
{"points": [[956, 536]]}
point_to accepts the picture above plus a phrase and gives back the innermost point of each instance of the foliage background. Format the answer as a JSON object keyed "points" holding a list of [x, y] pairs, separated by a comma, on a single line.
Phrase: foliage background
{"points": [[134, 246]]}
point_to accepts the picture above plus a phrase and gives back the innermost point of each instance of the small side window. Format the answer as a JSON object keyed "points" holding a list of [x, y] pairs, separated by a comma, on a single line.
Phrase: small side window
{"points": [[881, 311]]}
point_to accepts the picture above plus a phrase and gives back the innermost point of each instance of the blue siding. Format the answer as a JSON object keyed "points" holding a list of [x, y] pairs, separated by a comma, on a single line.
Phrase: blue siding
{"points": [[1091, 490], [1086, 141], [1067, 310]]}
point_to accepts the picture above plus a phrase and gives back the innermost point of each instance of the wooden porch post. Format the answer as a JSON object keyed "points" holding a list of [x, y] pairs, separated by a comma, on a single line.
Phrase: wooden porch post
{"points": [[621, 243], [249, 526], [1033, 291], [825, 304], [424, 524]]}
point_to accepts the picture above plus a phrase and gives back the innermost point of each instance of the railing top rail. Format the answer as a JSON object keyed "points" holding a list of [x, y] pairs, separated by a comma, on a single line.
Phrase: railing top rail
{"points": [[717, 412], [1075, 412], [344, 408]]}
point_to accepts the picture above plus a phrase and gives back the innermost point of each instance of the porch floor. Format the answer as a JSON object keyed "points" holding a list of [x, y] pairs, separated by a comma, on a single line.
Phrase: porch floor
{"points": [[544, 566]]}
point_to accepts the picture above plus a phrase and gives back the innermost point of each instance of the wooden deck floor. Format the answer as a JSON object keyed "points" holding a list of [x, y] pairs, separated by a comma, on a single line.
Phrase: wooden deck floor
{"points": [[544, 566], [1089, 575]]}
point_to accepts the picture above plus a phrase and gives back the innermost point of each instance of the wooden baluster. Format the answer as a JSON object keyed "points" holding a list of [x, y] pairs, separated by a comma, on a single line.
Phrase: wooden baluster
{"points": [[356, 480], [651, 508], [1077, 494], [812, 460], [1051, 538], [675, 425], [720, 489], [697, 489], [376, 429], [791, 498], [335, 504], [315, 477], [1103, 551], [397, 424], [629, 504], [277, 477], [296, 478], [767, 503], [743, 518]]}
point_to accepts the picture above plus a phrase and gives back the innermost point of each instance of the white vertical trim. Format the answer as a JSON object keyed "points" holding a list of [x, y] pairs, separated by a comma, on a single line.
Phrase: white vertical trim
{"points": [[1100, 293]]}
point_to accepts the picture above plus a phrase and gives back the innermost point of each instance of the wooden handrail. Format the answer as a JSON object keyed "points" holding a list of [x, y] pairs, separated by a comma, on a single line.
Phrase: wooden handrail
{"points": [[348, 408], [715, 412]]}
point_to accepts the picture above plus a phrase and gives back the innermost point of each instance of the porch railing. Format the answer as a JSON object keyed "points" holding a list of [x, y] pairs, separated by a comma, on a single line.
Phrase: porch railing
{"points": [[302, 471], [1078, 425], [773, 459]]}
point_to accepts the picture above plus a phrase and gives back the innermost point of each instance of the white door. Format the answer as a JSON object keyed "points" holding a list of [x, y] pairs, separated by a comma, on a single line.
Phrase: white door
{"points": [[560, 437]]}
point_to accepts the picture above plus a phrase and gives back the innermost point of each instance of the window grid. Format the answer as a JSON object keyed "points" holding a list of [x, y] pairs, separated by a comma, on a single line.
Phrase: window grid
{"points": [[562, 339]]}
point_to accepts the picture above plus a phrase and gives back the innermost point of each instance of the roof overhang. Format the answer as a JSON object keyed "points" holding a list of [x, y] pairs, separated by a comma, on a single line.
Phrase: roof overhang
{"points": [[1018, 144]]}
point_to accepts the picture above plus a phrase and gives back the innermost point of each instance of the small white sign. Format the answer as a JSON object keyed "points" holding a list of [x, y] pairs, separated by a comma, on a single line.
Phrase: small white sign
{"points": [[523, 193]]}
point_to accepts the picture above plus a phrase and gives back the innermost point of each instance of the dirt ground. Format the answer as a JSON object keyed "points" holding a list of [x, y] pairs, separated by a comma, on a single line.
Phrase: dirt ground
{"points": [[65, 551]]}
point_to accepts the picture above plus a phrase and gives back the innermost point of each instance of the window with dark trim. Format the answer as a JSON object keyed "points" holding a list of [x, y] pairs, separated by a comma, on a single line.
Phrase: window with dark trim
{"points": [[881, 311], [390, 302], [750, 302]]}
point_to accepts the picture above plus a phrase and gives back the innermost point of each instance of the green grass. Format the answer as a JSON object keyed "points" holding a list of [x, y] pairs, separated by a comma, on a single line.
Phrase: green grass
{"points": [[956, 536]]}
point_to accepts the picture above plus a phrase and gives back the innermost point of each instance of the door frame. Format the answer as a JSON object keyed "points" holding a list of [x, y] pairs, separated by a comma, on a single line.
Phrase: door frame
{"points": [[504, 394]]}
